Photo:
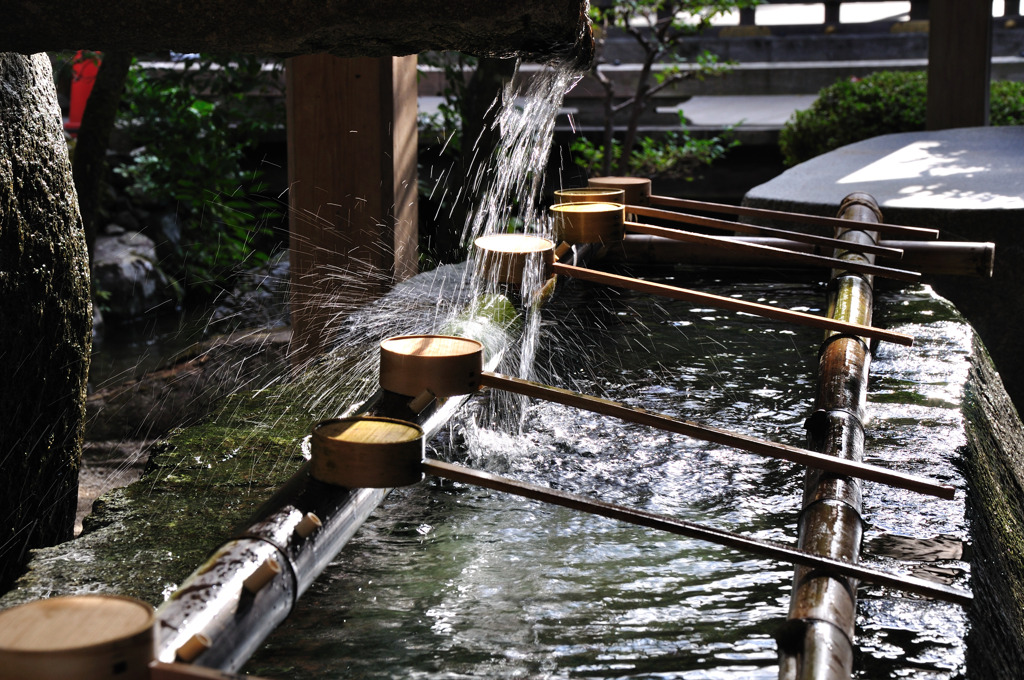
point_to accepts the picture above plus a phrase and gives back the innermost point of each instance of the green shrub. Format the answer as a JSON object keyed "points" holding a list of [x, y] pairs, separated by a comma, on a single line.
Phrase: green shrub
{"points": [[881, 103], [1006, 103], [676, 154], [190, 131]]}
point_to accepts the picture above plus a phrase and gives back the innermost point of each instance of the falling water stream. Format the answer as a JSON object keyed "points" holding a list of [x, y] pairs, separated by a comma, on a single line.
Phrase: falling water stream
{"points": [[451, 581]]}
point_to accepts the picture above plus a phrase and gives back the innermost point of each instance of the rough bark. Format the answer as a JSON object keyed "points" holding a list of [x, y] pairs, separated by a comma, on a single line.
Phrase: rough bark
{"points": [[45, 336], [345, 28], [479, 109]]}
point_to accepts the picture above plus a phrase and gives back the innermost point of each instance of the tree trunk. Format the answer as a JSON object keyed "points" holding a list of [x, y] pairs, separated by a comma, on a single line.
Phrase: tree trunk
{"points": [[90, 163], [479, 110], [46, 331]]}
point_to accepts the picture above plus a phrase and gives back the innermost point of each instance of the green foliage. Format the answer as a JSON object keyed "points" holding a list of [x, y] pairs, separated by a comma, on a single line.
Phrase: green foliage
{"points": [[659, 28], [446, 122], [677, 154], [881, 103], [1006, 103], [190, 131]]}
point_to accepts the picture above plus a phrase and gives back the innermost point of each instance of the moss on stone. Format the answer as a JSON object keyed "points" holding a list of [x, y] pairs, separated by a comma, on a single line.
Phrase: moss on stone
{"points": [[203, 482], [200, 484], [995, 468]]}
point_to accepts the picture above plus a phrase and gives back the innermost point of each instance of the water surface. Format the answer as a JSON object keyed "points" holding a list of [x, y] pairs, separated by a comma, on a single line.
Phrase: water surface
{"points": [[450, 581]]}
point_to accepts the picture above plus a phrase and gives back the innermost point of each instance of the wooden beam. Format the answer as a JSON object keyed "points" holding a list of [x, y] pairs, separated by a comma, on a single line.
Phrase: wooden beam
{"points": [[959, 64], [352, 187], [532, 29]]}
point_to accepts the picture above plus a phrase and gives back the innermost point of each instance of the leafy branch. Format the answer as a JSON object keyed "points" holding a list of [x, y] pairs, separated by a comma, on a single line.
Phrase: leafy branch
{"points": [[659, 28]]}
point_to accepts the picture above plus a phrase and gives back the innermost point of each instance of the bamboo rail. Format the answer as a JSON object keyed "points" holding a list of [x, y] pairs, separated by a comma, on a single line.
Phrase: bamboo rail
{"points": [[816, 643], [784, 216], [212, 620], [952, 258]]}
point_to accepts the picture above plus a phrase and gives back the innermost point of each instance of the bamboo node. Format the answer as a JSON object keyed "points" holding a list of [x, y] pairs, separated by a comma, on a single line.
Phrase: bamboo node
{"points": [[307, 525], [263, 575], [193, 647]]}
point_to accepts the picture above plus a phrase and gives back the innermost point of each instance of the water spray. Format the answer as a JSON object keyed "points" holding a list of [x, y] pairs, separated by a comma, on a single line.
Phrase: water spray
{"points": [[506, 255], [357, 452]]}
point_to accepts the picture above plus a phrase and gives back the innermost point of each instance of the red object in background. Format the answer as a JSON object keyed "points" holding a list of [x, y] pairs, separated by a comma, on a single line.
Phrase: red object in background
{"points": [[84, 70]]}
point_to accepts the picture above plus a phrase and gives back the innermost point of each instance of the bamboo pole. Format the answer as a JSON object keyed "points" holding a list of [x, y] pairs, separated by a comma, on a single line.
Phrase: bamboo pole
{"points": [[780, 253], [784, 216], [952, 258], [761, 447], [694, 530], [726, 225], [302, 527], [817, 640], [732, 304]]}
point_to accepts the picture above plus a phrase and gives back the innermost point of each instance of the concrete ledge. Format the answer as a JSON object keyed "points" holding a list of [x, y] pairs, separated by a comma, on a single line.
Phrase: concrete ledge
{"points": [[994, 463], [946, 179], [967, 182]]}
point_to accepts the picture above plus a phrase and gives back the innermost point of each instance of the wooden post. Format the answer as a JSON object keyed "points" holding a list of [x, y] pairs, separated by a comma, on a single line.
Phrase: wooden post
{"points": [[832, 11], [959, 64], [352, 187]]}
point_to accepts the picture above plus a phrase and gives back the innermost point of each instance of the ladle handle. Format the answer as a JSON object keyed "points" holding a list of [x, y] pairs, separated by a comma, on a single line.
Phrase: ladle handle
{"points": [[729, 539], [784, 216], [780, 253], [761, 447], [734, 227], [732, 304]]}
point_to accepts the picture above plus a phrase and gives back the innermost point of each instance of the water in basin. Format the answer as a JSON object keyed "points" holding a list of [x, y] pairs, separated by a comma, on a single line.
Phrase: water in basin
{"points": [[450, 581]]}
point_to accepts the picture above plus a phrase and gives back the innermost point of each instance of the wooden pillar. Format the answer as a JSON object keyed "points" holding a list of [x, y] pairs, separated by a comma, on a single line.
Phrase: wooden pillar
{"points": [[832, 11], [352, 187], [959, 63]]}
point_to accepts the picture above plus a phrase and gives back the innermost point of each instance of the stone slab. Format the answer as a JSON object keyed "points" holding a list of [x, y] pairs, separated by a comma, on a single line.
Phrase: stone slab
{"points": [[967, 182], [742, 111], [943, 176]]}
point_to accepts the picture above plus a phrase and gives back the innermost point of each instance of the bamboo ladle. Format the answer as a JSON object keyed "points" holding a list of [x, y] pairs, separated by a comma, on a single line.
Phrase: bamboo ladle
{"points": [[505, 257], [350, 452], [425, 367]]}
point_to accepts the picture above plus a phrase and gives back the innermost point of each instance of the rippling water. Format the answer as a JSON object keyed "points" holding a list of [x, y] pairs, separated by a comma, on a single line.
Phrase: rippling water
{"points": [[449, 581]]}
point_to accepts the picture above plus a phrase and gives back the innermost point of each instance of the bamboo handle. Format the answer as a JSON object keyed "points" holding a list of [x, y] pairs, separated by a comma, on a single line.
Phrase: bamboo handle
{"points": [[729, 539], [743, 442], [744, 211], [782, 253], [732, 304], [733, 227]]}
